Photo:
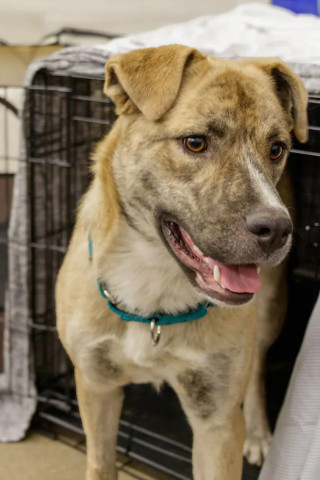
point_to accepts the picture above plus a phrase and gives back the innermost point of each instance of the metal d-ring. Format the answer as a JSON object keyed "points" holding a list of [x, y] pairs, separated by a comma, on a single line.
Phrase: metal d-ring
{"points": [[155, 331]]}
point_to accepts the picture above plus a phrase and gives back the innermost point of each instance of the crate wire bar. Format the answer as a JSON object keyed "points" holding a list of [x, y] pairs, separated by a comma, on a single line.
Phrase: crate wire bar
{"points": [[67, 116]]}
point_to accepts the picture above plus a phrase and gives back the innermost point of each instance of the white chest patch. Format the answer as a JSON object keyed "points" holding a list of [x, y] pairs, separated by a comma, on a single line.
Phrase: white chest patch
{"points": [[143, 276]]}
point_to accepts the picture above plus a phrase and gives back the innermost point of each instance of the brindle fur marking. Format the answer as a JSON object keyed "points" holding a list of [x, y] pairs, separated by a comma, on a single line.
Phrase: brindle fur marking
{"points": [[200, 392], [104, 364], [207, 389]]}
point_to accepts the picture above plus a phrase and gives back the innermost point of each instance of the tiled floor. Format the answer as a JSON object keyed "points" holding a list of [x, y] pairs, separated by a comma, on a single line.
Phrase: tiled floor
{"points": [[42, 458]]}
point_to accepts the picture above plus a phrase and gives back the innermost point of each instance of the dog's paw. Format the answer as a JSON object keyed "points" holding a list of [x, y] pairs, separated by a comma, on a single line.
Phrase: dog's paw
{"points": [[256, 448]]}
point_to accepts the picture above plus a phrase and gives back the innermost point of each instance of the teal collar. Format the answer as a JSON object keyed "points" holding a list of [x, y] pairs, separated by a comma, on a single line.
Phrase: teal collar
{"points": [[157, 318]]}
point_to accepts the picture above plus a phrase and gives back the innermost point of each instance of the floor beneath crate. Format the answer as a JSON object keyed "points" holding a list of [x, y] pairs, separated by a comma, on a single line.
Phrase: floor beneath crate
{"points": [[40, 457]]}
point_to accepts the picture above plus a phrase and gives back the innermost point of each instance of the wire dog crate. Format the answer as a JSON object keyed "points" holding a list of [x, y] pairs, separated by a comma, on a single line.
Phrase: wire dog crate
{"points": [[66, 117]]}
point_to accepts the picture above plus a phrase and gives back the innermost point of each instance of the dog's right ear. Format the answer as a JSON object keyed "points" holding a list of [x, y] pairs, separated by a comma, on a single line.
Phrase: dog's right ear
{"points": [[149, 79]]}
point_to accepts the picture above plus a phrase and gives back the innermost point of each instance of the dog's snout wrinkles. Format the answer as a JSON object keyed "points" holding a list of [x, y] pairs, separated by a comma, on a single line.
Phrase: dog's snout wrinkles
{"points": [[271, 231]]}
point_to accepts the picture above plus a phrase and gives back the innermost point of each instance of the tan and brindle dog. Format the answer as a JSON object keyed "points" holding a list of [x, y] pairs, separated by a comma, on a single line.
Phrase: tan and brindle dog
{"points": [[182, 210]]}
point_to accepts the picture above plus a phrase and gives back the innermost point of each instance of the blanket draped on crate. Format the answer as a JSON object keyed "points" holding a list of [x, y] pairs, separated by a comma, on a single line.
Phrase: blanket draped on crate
{"points": [[250, 30]]}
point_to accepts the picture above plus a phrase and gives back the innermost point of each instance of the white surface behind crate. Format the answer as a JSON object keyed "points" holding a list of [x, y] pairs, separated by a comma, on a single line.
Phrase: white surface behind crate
{"points": [[9, 130], [28, 21]]}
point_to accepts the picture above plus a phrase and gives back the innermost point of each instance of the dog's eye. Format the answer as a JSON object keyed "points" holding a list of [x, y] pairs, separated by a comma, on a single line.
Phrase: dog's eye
{"points": [[276, 151], [195, 144]]}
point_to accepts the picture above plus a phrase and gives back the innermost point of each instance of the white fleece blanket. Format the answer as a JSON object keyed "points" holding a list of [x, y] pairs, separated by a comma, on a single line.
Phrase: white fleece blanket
{"points": [[250, 30]]}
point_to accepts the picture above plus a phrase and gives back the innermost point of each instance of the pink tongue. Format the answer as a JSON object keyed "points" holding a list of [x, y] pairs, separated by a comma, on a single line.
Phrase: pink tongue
{"points": [[236, 278], [239, 278]]}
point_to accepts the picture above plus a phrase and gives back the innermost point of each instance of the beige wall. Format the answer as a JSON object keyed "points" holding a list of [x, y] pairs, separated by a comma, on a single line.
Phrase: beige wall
{"points": [[28, 20]]}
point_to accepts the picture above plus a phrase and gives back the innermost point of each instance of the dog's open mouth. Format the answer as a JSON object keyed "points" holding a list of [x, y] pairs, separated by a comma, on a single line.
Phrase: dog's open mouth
{"points": [[232, 284]]}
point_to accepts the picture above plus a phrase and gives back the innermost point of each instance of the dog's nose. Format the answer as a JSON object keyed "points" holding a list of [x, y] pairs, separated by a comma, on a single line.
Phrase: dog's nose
{"points": [[271, 231]]}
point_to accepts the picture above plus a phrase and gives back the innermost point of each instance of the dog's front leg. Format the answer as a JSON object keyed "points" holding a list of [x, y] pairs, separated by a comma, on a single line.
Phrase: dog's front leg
{"points": [[216, 418], [100, 411], [271, 316], [217, 448]]}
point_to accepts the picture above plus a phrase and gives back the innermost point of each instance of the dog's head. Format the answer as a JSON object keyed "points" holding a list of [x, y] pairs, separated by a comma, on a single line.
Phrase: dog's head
{"points": [[202, 146]]}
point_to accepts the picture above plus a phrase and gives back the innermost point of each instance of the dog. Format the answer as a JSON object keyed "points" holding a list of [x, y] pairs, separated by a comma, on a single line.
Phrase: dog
{"points": [[183, 211]]}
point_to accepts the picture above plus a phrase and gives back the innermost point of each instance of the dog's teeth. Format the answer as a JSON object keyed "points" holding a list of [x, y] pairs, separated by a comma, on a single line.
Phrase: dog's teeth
{"points": [[221, 285], [258, 270], [216, 274], [187, 236], [206, 259], [197, 250]]}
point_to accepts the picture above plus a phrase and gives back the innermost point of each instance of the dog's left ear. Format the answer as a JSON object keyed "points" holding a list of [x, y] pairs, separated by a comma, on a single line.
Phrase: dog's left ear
{"points": [[291, 93], [149, 79]]}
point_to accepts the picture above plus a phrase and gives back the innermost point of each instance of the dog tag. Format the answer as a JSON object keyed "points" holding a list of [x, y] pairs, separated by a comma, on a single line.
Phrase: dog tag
{"points": [[155, 331]]}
